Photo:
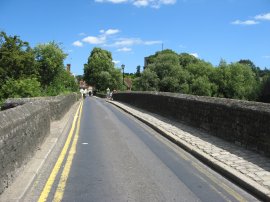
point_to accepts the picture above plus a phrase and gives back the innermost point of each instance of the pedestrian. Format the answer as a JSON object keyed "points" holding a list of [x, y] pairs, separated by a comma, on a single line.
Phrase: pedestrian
{"points": [[108, 93]]}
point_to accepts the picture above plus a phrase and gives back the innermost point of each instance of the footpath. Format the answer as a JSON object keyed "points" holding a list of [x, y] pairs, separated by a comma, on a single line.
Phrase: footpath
{"points": [[246, 168], [28, 173]]}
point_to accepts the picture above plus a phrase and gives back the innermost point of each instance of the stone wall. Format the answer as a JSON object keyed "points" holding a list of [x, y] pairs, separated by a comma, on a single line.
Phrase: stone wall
{"points": [[24, 128], [59, 105], [240, 122]]}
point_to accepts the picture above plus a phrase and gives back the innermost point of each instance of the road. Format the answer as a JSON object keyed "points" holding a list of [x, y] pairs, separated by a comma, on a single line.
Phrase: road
{"points": [[111, 156]]}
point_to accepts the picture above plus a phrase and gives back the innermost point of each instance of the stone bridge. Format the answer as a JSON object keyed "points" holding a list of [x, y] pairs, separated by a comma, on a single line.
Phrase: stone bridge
{"points": [[24, 128]]}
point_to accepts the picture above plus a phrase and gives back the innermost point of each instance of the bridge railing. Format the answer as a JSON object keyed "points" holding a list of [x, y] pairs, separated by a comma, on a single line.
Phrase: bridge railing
{"points": [[241, 122], [24, 128]]}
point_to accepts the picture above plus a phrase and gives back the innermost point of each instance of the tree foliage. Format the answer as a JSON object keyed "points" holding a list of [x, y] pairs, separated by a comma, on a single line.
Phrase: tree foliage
{"points": [[50, 58], [184, 73], [100, 72], [148, 81], [27, 72], [23, 87], [16, 58]]}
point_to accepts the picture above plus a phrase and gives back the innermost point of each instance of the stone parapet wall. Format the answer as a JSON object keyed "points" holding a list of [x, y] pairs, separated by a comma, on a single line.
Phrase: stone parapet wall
{"points": [[240, 122], [59, 105], [24, 128]]}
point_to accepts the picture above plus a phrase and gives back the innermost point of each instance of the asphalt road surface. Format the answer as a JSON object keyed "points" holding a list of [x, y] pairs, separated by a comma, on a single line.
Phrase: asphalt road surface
{"points": [[111, 156]]}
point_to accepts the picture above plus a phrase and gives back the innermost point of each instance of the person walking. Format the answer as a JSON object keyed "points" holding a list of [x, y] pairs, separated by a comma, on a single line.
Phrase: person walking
{"points": [[108, 93]]}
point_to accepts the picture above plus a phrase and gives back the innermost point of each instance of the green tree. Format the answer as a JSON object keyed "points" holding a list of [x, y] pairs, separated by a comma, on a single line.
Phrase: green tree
{"points": [[100, 72], [250, 64], [201, 86], [18, 70], [200, 78], [138, 71], [165, 64], [16, 59], [186, 59], [236, 81], [264, 95], [50, 62], [148, 81], [24, 87], [62, 84], [170, 84], [172, 77]]}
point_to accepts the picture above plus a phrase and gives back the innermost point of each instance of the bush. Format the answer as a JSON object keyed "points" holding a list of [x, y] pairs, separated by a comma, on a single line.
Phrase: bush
{"points": [[28, 87]]}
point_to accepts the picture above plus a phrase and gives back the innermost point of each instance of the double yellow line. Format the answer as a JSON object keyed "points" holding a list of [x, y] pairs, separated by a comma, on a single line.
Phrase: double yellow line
{"points": [[58, 196]]}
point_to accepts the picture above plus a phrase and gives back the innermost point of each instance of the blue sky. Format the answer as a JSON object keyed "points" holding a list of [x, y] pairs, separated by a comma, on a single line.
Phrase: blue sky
{"points": [[132, 29]]}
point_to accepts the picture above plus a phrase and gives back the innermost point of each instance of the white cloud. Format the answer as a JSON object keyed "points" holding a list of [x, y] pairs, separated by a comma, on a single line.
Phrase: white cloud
{"points": [[116, 61], [194, 54], [254, 21], [263, 17], [111, 31], [95, 40], [246, 22], [77, 43], [128, 42], [141, 3], [125, 49], [168, 1], [82, 34], [111, 1], [153, 3], [266, 56], [100, 39], [152, 42]]}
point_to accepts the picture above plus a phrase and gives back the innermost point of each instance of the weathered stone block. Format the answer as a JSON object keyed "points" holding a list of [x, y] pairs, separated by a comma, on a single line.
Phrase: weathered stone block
{"points": [[242, 122]]}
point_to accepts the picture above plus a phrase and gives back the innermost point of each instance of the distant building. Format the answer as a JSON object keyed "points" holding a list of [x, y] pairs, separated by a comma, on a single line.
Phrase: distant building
{"points": [[149, 60], [83, 84], [128, 83], [68, 68]]}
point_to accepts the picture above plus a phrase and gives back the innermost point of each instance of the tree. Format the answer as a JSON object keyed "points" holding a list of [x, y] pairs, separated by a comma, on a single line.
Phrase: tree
{"points": [[16, 59], [185, 59], [236, 81], [138, 71], [169, 84], [18, 70], [201, 86], [100, 72], [200, 78], [165, 64], [148, 81], [50, 62], [171, 75], [28, 87], [79, 77], [264, 95]]}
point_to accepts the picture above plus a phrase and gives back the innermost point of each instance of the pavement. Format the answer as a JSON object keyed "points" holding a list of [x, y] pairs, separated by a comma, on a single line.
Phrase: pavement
{"points": [[28, 173], [248, 169]]}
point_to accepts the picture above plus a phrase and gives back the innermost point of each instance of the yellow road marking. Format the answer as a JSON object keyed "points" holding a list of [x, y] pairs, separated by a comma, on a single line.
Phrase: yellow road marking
{"points": [[58, 196], [220, 184], [46, 190], [229, 190]]}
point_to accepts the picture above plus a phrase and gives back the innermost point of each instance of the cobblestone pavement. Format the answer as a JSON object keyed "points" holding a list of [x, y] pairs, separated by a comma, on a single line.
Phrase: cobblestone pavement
{"points": [[247, 168]]}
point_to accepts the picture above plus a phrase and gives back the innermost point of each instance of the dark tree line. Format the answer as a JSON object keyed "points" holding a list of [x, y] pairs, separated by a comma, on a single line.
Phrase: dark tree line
{"points": [[183, 73], [29, 72]]}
